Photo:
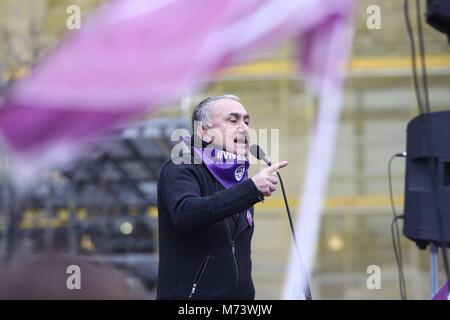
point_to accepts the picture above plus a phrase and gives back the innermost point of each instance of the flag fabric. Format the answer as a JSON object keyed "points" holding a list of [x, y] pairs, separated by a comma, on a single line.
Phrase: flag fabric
{"points": [[135, 56], [443, 293]]}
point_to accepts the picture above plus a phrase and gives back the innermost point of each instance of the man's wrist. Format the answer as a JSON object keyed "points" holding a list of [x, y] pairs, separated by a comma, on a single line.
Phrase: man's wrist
{"points": [[260, 196]]}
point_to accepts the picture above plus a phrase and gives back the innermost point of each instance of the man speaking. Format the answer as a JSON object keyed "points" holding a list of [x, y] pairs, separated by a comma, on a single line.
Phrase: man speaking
{"points": [[205, 208]]}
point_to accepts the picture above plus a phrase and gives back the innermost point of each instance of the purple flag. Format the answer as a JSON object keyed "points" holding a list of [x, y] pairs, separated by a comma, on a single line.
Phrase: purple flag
{"points": [[443, 293], [135, 56]]}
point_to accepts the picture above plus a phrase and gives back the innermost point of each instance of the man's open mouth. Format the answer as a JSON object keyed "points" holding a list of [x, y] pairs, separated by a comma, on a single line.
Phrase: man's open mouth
{"points": [[242, 140]]}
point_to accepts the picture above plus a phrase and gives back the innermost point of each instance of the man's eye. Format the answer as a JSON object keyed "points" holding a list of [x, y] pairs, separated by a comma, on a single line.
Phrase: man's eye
{"points": [[233, 120]]}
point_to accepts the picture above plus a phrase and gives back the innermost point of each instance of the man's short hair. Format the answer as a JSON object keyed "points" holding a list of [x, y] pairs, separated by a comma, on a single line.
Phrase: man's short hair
{"points": [[202, 110]]}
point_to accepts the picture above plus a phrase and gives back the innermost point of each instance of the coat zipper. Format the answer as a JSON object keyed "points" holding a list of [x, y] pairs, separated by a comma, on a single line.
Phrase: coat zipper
{"points": [[199, 275], [233, 251]]}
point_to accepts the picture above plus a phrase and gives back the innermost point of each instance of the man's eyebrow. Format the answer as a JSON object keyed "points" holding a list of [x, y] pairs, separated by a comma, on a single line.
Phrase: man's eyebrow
{"points": [[238, 115]]}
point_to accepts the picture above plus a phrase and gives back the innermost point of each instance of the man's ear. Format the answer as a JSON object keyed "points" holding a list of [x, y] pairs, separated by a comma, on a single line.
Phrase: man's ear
{"points": [[202, 132]]}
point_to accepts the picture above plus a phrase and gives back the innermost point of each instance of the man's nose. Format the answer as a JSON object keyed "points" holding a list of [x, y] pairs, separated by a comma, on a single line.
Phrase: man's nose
{"points": [[243, 127]]}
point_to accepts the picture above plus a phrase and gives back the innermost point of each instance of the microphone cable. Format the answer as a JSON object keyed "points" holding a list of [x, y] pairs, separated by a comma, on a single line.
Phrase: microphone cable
{"points": [[307, 292], [259, 154]]}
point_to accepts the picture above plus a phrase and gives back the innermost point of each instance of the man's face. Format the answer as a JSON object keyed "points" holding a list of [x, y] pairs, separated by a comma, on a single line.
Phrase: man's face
{"points": [[229, 126]]}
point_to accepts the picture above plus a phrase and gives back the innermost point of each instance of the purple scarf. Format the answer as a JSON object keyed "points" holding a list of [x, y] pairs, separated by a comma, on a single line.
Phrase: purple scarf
{"points": [[228, 168]]}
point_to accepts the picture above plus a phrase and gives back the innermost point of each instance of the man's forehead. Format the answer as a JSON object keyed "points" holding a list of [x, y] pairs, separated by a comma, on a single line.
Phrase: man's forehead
{"points": [[228, 106]]}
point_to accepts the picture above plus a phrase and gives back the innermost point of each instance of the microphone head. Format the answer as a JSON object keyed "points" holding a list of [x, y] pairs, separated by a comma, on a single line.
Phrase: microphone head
{"points": [[256, 151], [259, 153]]}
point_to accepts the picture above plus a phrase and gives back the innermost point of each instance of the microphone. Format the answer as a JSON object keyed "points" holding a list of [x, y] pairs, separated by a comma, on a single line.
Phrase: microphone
{"points": [[259, 154]]}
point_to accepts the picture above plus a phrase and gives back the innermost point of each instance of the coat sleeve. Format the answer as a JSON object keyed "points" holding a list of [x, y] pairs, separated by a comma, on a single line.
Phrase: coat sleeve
{"points": [[179, 190]]}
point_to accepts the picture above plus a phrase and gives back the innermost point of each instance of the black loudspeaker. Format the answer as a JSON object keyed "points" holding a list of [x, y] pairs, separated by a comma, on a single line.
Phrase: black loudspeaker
{"points": [[428, 139], [438, 15]]}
